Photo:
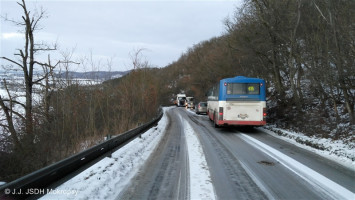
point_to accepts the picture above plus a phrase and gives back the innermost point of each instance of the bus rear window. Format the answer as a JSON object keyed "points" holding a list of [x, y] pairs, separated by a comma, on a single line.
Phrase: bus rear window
{"points": [[243, 88]]}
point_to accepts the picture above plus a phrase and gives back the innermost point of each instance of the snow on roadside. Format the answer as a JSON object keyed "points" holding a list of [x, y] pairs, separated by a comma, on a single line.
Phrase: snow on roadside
{"points": [[201, 186], [106, 178], [336, 150]]}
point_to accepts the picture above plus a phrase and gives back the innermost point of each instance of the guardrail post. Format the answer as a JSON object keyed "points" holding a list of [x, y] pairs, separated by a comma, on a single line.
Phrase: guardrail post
{"points": [[108, 136]]}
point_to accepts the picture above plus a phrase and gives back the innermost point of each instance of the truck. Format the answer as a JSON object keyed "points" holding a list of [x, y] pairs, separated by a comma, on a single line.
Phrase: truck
{"points": [[180, 100]]}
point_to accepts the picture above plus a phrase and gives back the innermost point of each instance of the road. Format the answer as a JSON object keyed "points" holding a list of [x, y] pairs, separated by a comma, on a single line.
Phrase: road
{"points": [[243, 164], [166, 174]]}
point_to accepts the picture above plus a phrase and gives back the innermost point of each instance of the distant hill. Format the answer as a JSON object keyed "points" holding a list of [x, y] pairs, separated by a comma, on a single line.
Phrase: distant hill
{"points": [[98, 75], [101, 75]]}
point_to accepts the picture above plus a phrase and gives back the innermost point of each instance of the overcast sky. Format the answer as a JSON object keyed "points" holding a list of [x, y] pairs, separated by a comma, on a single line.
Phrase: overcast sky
{"points": [[111, 30]]}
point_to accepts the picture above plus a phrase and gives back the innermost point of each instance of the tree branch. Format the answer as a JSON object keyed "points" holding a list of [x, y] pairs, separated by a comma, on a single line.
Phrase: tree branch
{"points": [[12, 61], [14, 101], [320, 11]]}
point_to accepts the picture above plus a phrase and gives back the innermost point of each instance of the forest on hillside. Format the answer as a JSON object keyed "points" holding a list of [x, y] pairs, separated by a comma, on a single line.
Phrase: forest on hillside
{"points": [[305, 50]]}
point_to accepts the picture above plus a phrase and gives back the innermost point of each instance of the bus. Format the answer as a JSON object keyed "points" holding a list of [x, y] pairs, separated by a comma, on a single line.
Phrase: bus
{"points": [[237, 101]]}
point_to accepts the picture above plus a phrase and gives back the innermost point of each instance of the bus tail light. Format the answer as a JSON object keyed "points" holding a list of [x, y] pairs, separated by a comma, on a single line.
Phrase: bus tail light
{"points": [[264, 114], [220, 114]]}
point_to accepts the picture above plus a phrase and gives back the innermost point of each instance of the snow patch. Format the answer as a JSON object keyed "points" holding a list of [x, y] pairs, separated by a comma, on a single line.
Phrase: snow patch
{"points": [[201, 186]]}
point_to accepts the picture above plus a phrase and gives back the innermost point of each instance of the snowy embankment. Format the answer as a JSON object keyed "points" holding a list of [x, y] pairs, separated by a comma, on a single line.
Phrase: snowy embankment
{"points": [[340, 151], [106, 178]]}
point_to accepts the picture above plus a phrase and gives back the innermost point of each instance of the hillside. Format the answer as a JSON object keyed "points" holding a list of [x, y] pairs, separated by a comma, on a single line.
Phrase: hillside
{"points": [[310, 81]]}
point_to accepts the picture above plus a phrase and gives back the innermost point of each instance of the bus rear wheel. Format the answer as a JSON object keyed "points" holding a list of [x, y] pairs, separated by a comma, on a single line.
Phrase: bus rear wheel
{"points": [[209, 116], [215, 121]]}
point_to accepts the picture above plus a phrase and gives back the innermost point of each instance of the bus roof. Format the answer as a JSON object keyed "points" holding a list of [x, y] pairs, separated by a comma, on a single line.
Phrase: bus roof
{"points": [[243, 79]]}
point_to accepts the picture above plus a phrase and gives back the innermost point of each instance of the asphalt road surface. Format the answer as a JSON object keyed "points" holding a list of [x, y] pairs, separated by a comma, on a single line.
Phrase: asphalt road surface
{"points": [[166, 174], [243, 164]]}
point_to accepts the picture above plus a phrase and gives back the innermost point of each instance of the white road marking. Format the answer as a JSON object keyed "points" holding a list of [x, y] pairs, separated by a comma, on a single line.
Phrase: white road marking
{"points": [[328, 186]]}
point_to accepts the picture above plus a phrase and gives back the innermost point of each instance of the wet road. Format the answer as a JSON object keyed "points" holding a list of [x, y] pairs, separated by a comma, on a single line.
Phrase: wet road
{"points": [[243, 165]]}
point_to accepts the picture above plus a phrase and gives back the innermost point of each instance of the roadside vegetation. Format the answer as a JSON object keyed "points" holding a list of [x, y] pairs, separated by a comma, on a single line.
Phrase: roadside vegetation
{"points": [[305, 50]]}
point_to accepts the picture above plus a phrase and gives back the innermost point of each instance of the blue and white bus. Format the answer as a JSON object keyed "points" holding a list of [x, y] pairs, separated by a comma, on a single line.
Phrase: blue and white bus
{"points": [[237, 101]]}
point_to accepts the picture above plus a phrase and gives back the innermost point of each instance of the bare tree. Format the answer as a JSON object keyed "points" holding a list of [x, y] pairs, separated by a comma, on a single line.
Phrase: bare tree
{"points": [[26, 62]]}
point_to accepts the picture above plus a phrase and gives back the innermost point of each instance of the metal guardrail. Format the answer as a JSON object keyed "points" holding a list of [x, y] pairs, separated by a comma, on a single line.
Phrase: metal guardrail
{"points": [[39, 180]]}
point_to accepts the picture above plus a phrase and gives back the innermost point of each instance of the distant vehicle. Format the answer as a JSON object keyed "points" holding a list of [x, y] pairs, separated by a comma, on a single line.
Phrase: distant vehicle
{"points": [[201, 108], [180, 100], [237, 101], [190, 102]]}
